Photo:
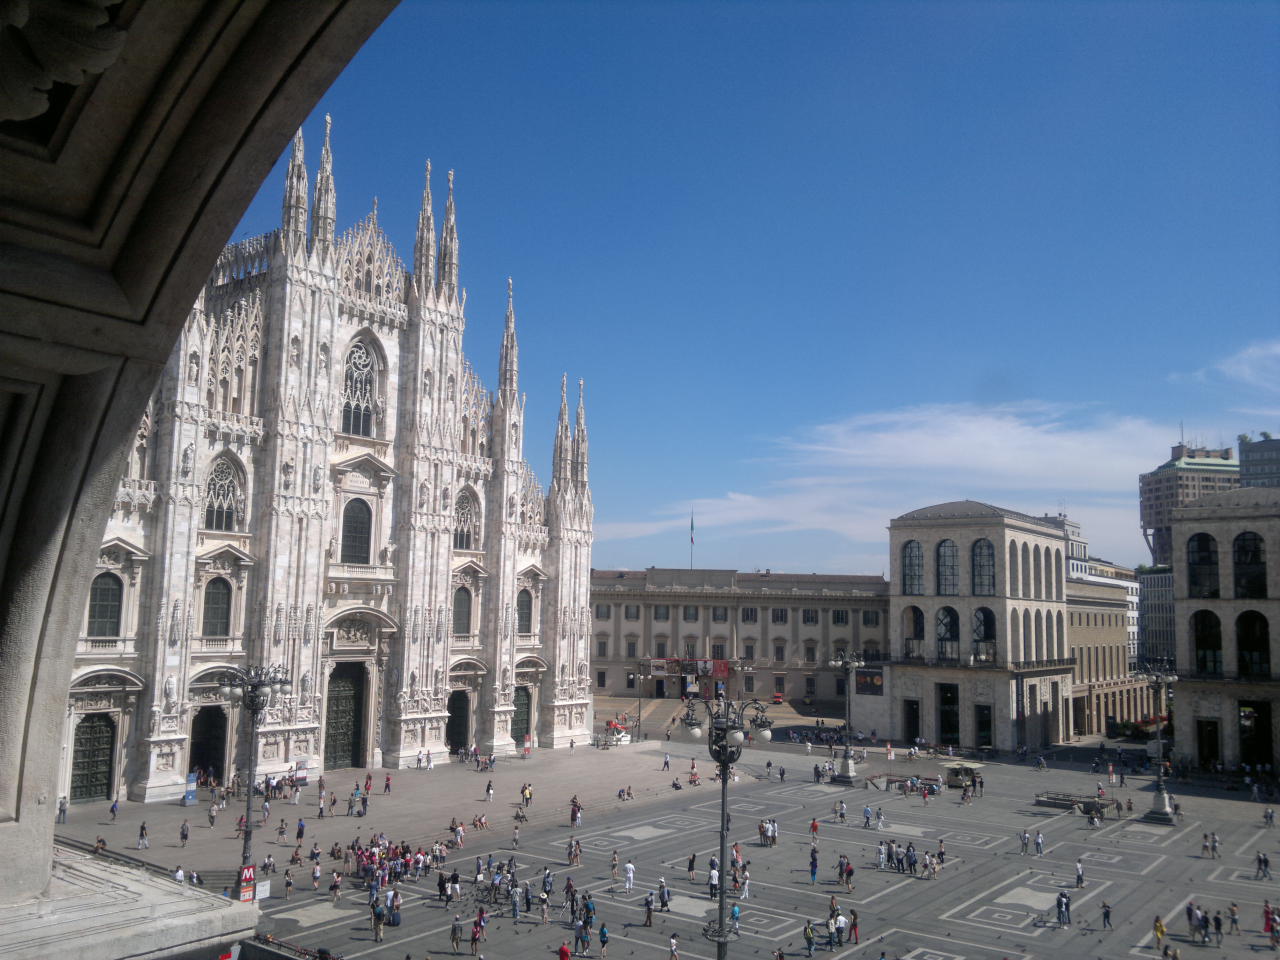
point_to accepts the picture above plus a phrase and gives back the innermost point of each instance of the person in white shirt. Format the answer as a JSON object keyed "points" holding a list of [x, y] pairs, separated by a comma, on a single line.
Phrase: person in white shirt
{"points": [[179, 876], [629, 871]]}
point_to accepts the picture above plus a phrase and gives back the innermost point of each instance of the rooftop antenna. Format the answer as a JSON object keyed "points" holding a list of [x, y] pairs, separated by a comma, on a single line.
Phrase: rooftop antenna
{"points": [[1182, 435]]}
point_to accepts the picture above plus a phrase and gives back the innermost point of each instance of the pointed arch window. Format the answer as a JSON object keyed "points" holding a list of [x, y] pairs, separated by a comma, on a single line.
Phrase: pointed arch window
{"points": [[912, 568], [524, 612], [217, 608], [359, 386], [948, 557], [357, 532], [462, 612], [223, 501], [982, 558], [105, 596], [466, 532]]}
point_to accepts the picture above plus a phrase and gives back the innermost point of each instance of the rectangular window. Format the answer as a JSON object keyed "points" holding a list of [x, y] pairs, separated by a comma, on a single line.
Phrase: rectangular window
{"points": [[631, 649], [631, 611], [602, 611], [871, 618], [810, 655], [778, 615], [690, 649], [779, 684], [750, 615], [810, 686], [631, 681], [661, 612], [841, 686], [690, 614], [749, 651], [779, 652], [720, 614], [660, 649], [602, 648], [717, 651], [600, 679], [808, 615], [839, 618], [749, 683]]}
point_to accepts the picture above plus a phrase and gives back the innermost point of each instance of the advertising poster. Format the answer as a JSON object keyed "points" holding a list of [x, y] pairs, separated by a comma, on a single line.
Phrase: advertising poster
{"points": [[869, 681]]}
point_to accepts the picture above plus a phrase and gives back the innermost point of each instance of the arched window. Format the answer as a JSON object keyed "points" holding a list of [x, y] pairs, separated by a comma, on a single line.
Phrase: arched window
{"points": [[462, 612], [948, 556], [982, 558], [1039, 635], [1026, 571], [1253, 645], [466, 533], [1202, 566], [524, 612], [984, 635], [912, 631], [1062, 638], [359, 390], [912, 568], [947, 631], [105, 595], [1206, 640], [217, 608], [1249, 560], [223, 503], [357, 532], [1057, 576], [1014, 580], [1037, 579]]}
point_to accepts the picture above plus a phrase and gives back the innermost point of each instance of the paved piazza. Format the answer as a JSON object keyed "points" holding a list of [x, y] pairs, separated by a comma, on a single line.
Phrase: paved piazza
{"points": [[988, 903]]}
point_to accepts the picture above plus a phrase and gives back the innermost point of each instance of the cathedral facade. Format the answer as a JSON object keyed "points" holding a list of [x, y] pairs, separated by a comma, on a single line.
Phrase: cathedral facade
{"points": [[322, 481]]}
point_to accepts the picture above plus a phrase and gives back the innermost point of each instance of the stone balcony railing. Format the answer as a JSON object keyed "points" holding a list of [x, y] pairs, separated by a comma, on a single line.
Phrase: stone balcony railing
{"points": [[106, 646], [528, 639], [219, 645], [465, 641]]}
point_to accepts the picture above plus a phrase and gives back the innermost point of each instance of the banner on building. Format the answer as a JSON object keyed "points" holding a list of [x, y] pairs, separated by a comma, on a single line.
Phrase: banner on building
{"points": [[869, 681], [658, 668], [720, 669]]}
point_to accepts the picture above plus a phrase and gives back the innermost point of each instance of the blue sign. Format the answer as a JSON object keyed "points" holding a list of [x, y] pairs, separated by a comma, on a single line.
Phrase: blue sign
{"points": [[189, 798]]}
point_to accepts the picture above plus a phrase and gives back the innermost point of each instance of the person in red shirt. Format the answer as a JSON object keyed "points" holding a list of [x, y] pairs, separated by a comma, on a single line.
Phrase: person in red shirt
{"points": [[563, 952]]}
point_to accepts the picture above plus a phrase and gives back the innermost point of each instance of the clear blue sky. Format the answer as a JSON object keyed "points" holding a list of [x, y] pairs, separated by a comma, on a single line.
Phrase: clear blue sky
{"points": [[823, 263]]}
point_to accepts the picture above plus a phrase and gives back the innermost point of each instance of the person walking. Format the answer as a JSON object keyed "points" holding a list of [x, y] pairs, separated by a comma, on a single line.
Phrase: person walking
{"points": [[713, 881], [1025, 839], [675, 947], [377, 919], [1039, 844], [813, 867], [144, 839], [1233, 915], [488, 792], [693, 859], [629, 871], [115, 808], [455, 933], [604, 941], [1157, 928], [1079, 874], [853, 926], [184, 833], [1106, 916], [666, 761], [648, 909]]}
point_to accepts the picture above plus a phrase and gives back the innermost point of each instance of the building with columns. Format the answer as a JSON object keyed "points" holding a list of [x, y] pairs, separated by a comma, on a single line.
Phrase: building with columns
{"points": [[321, 480], [775, 633], [977, 629]]}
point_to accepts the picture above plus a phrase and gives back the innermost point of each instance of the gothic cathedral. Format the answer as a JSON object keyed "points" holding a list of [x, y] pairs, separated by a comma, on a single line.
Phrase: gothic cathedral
{"points": [[322, 481]]}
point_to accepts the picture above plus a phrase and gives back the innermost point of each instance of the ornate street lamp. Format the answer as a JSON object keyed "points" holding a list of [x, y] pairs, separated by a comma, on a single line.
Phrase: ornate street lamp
{"points": [[252, 687], [844, 769], [637, 679], [1157, 674], [726, 722]]}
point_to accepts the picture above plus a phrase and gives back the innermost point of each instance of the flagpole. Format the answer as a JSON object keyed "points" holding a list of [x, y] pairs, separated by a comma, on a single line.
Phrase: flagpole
{"points": [[690, 539]]}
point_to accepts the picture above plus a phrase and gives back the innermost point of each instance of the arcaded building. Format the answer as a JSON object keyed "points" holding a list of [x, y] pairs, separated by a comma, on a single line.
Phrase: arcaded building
{"points": [[1226, 602], [977, 628], [322, 481], [1189, 474]]}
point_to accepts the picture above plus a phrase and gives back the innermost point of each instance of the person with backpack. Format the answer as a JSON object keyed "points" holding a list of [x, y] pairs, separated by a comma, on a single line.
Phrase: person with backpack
{"points": [[377, 919], [809, 936]]}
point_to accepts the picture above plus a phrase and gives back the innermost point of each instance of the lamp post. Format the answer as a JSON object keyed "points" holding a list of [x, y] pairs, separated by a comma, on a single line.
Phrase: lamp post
{"points": [[844, 769], [1159, 677], [637, 680], [725, 728], [252, 687]]}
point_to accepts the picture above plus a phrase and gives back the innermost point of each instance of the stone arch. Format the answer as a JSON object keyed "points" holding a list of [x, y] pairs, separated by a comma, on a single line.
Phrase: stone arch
{"points": [[1015, 582]]}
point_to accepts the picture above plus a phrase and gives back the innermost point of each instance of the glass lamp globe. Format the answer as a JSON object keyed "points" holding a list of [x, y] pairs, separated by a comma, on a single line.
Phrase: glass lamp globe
{"points": [[765, 735], [736, 737], [224, 692], [697, 732]]}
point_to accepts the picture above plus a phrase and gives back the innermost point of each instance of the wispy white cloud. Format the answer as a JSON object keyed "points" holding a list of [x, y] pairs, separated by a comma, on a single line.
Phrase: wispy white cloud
{"points": [[1256, 366], [851, 476]]}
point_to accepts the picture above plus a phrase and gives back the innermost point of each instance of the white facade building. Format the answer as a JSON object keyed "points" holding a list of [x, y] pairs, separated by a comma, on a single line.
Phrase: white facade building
{"points": [[322, 481]]}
